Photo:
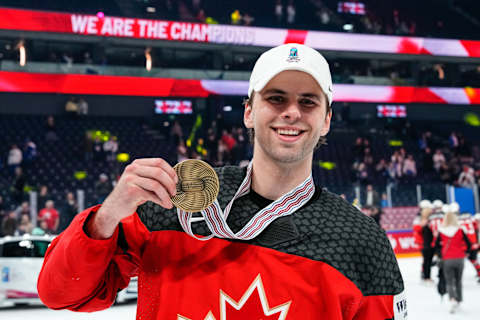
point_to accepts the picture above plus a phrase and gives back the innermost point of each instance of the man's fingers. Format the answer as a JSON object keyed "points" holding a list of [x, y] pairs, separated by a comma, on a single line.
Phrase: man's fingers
{"points": [[158, 162], [158, 174], [155, 187]]}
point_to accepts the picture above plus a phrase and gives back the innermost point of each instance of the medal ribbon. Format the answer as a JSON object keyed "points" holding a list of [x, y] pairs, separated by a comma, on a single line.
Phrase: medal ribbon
{"points": [[216, 218]]}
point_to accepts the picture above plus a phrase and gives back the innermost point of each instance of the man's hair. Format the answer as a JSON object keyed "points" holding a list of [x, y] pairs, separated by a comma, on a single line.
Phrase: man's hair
{"points": [[251, 132]]}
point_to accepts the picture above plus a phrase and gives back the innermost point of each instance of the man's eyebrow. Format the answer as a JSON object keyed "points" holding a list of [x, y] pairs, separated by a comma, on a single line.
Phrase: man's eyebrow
{"points": [[310, 95], [274, 90]]}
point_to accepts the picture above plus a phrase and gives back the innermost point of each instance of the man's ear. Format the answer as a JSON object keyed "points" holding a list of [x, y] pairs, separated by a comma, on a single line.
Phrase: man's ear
{"points": [[248, 116], [326, 124]]}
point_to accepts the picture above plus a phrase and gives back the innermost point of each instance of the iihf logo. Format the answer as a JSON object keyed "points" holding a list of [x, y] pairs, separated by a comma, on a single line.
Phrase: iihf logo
{"points": [[293, 56]]}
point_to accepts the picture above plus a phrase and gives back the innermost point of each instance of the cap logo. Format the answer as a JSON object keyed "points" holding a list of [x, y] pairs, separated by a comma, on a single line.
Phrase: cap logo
{"points": [[293, 56]]}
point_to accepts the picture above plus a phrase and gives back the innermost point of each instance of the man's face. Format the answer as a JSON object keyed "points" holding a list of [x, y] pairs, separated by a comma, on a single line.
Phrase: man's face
{"points": [[288, 116]]}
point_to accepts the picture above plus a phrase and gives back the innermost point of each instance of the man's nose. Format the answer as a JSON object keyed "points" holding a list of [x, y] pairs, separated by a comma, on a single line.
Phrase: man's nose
{"points": [[291, 112]]}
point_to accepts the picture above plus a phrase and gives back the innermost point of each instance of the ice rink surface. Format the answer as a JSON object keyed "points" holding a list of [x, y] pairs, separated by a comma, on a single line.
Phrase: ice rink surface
{"points": [[423, 301]]}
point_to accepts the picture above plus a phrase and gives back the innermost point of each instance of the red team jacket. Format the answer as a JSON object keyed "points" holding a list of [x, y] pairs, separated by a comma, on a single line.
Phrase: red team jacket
{"points": [[327, 261]]}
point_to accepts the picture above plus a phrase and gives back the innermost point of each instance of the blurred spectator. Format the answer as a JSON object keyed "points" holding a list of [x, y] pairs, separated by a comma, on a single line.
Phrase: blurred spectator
{"points": [[248, 19], [291, 12], [23, 209], [51, 129], [41, 229], [453, 141], [110, 147], [15, 158], [71, 107], [279, 12], [358, 151], [372, 199], [25, 226], [98, 154], [384, 202], [375, 213], [102, 188], [427, 161], [324, 16], [9, 224], [82, 107], [445, 172], [368, 157], [201, 17], [87, 59], [381, 170], [43, 196], [29, 153], [361, 172], [51, 216], [467, 177], [18, 184], [410, 167], [438, 160], [68, 212]]}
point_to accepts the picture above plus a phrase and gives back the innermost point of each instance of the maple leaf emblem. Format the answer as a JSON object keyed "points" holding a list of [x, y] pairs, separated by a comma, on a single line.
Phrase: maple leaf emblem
{"points": [[252, 305]]}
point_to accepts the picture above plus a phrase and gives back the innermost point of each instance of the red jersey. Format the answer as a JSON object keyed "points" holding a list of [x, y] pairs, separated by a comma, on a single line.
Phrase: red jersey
{"points": [[50, 215], [468, 224], [417, 231], [452, 243], [335, 263]]}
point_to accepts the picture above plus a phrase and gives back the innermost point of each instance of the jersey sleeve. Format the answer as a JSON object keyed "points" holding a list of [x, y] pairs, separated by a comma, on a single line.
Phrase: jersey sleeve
{"points": [[383, 307], [83, 274]]}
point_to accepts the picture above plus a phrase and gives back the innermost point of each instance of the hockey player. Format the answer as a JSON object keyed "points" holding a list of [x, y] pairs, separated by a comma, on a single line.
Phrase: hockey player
{"points": [[424, 237], [296, 251], [469, 226]]}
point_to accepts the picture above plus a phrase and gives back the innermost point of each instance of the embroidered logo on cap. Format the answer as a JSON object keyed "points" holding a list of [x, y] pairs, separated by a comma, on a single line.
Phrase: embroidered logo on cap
{"points": [[293, 56]]}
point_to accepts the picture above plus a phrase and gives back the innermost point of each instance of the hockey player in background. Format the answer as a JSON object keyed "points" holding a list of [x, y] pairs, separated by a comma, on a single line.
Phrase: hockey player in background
{"points": [[424, 238], [470, 228]]}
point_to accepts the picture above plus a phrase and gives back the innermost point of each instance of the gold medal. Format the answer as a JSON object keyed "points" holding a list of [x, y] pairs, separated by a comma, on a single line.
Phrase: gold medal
{"points": [[197, 186]]}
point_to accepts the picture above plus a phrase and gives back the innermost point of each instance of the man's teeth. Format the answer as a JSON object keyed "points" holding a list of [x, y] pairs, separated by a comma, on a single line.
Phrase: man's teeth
{"points": [[288, 132]]}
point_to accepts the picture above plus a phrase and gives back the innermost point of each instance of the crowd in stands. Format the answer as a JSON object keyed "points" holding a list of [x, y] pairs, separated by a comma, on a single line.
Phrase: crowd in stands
{"points": [[450, 161], [424, 157]]}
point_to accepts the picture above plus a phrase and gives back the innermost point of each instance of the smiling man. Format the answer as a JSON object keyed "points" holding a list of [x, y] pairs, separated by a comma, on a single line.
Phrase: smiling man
{"points": [[282, 247]]}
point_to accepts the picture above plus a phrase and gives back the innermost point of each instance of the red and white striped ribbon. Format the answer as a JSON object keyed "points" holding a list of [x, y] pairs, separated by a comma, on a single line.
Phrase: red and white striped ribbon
{"points": [[216, 218]]}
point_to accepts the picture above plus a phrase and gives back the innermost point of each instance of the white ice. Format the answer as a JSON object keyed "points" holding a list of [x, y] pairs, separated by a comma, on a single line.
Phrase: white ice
{"points": [[423, 301]]}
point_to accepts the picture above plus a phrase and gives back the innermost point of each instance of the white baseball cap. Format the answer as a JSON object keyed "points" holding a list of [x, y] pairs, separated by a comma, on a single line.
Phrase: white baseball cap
{"points": [[425, 204], [446, 208], [291, 56], [455, 207], [437, 204]]}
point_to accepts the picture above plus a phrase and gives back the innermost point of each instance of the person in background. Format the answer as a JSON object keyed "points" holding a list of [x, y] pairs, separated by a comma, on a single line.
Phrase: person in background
{"points": [[102, 187], [41, 229], [51, 216], [15, 158], [9, 224], [69, 211], [43, 196], [451, 246], [427, 242], [18, 184], [25, 226]]}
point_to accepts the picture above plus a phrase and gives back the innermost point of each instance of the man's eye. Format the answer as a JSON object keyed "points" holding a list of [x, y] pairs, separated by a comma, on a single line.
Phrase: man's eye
{"points": [[308, 102], [276, 99]]}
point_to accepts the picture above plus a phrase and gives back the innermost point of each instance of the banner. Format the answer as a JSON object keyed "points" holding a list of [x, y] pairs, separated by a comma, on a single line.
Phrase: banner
{"points": [[351, 7], [165, 87], [80, 24], [402, 241]]}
